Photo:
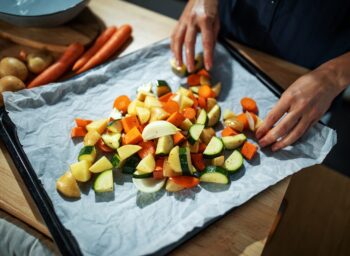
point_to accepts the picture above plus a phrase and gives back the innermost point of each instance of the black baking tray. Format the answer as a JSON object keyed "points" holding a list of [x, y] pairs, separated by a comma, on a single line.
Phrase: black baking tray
{"points": [[63, 238]]}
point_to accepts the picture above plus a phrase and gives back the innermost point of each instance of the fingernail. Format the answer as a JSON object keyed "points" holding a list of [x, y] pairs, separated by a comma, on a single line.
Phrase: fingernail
{"points": [[208, 66], [262, 143], [178, 63], [258, 135]]}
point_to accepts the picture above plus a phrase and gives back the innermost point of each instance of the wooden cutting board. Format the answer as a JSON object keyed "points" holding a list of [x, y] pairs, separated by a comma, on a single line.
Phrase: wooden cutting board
{"points": [[84, 29]]}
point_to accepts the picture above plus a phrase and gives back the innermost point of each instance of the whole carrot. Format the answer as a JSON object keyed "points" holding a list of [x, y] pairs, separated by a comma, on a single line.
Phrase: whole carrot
{"points": [[100, 41], [52, 73], [109, 48]]}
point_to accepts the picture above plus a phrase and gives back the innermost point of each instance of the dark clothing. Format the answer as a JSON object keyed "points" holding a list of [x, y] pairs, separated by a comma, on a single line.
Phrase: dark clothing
{"points": [[305, 32]]}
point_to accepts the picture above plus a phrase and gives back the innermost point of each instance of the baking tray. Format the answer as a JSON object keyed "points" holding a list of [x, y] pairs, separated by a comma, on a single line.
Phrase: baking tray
{"points": [[65, 241]]}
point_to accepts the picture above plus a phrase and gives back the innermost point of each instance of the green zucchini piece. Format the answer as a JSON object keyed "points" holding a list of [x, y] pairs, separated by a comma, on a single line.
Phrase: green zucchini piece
{"points": [[185, 161], [115, 126], [233, 142], [198, 62], [104, 182], [214, 148], [195, 132], [202, 117], [137, 175], [116, 161], [214, 116], [195, 89], [162, 87], [234, 161], [179, 71], [130, 164], [214, 174], [164, 145], [112, 140], [87, 153]]}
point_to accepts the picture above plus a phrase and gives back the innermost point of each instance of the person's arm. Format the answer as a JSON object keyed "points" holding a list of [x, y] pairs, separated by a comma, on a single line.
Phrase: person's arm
{"points": [[198, 16], [304, 103]]}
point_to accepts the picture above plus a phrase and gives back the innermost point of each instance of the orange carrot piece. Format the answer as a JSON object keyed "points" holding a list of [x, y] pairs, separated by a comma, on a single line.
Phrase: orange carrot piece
{"points": [[178, 138], [99, 42], [103, 147], [248, 104], [165, 97], [228, 131], [243, 119], [171, 107], [53, 72], [133, 136], [202, 102], [189, 113], [205, 91], [203, 72], [130, 122], [78, 132], [147, 148], [185, 181], [109, 48], [158, 170], [249, 150], [193, 80], [176, 118], [198, 162], [123, 139], [82, 122], [121, 103], [202, 147]]}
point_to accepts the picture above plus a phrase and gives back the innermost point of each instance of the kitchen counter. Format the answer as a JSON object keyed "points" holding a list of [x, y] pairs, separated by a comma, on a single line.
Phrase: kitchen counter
{"points": [[242, 231]]}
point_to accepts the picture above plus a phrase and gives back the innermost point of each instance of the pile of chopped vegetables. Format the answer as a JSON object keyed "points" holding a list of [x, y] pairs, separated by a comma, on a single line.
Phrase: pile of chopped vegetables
{"points": [[163, 139]]}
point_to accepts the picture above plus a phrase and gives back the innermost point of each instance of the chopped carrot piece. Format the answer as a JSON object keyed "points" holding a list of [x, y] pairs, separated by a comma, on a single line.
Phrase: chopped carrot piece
{"points": [[123, 139], [78, 132], [228, 131], [158, 171], [202, 102], [198, 162], [248, 104], [171, 106], [130, 122], [147, 148], [203, 72], [189, 113], [166, 97], [243, 119], [202, 147], [103, 147], [121, 103], [82, 122], [176, 118], [205, 91], [249, 150], [193, 80], [133, 136], [185, 181], [178, 138]]}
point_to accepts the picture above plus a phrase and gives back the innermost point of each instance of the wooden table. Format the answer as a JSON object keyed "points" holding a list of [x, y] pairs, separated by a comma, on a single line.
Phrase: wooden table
{"points": [[244, 230]]}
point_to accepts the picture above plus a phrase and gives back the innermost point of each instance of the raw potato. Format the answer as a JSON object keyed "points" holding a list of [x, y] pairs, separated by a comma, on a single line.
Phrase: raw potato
{"points": [[9, 83], [14, 67], [68, 186], [37, 62]]}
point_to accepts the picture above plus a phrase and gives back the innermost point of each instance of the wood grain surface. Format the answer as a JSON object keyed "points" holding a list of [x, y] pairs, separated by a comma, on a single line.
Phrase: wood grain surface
{"points": [[241, 232]]}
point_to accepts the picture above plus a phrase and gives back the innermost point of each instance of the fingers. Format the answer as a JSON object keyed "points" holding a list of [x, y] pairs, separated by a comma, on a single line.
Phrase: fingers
{"points": [[190, 41], [294, 135], [273, 116], [208, 40], [177, 41], [280, 130]]}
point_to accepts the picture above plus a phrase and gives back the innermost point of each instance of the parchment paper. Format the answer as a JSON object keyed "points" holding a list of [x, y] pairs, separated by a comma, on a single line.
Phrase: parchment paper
{"points": [[128, 222]]}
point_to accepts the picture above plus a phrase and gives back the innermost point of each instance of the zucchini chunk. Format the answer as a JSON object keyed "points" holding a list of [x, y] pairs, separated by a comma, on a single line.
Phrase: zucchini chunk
{"points": [[214, 174], [158, 129], [195, 132], [112, 140], [87, 153], [162, 87], [164, 145], [185, 161], [115, 126], [202, 117], [130, 164], [116, 161], [101, 165], [214, 116], [233, 142], [174, 160], [104, 182], [138, 175], [179, 71], [234, 161], [146, 165], [214, 148], [148, 185], [127, 150]]}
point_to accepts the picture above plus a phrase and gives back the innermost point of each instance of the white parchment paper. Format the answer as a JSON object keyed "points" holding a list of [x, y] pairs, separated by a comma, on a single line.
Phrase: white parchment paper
{"points": [[128, 222]]}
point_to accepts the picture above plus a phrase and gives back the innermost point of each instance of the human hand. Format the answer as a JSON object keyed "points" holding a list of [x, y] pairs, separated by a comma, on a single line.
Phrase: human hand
{"points": [[199, 15], [301, 105]]}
